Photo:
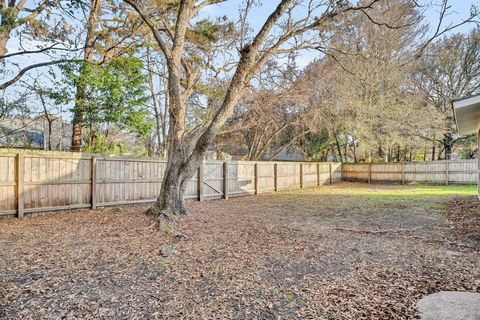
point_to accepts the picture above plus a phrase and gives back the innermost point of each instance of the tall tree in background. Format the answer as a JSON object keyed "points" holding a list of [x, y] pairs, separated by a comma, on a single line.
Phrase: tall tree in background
{"points": [[364, 91], [114, 96], [159, 101], [450, 69], [78, 110], [109, 34]]}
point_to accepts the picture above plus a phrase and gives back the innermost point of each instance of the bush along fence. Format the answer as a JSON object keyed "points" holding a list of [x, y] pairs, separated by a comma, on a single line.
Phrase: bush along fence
{"points": [[435, 172], [48, 181]]}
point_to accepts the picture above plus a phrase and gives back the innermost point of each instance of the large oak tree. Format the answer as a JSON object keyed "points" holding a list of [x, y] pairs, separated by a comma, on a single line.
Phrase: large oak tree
{"points": [[292, 25]]}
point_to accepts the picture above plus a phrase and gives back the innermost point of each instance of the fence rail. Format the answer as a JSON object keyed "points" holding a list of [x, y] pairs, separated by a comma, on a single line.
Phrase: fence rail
{"points": [[439, 172], [57, 181]]}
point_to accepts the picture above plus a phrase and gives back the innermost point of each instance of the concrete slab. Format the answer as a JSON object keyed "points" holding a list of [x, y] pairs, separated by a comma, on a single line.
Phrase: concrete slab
{"points": [[450, 305]]}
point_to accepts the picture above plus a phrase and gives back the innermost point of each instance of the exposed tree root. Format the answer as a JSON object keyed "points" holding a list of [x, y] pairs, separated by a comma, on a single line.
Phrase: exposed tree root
{"points": [[153, 211], [165, 221], [157, 210]]}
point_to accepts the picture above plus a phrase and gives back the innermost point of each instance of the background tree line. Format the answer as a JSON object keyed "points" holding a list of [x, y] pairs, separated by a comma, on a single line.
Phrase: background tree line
{"points": [[379, 92]]}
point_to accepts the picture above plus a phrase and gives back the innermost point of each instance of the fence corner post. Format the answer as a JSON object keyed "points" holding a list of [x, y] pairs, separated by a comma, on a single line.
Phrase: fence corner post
{"points": [[275, 177], [94, 183], [200, 181], [20, 185], [225, 180]]}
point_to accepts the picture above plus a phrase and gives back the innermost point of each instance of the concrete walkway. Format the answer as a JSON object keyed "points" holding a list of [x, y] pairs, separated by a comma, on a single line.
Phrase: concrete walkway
{"points": [[450, 305]]}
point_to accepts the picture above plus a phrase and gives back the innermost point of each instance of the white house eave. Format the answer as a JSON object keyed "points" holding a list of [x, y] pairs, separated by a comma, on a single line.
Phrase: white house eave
{"points": [[467, 114]]}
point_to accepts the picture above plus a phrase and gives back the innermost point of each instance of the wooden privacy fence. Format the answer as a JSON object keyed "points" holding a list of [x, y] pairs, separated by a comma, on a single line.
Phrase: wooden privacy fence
{"points": [[439, 172], [56, 181], [47, 181]]}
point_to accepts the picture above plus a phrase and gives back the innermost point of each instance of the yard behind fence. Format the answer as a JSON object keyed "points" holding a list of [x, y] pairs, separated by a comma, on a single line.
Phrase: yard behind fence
{"points": [[47, 181]]}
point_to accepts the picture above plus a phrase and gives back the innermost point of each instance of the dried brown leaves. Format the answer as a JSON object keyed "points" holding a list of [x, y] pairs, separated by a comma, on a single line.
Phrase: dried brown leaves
{"points": [[265, 257]]}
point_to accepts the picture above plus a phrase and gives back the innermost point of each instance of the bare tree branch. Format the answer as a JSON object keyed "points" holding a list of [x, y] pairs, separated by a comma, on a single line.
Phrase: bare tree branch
{"points": [[34, 66], [474, 14]]}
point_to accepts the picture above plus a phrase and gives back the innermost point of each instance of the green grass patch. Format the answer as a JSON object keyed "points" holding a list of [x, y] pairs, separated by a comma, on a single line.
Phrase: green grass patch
{"points": [[346, 195], [390, 191]]}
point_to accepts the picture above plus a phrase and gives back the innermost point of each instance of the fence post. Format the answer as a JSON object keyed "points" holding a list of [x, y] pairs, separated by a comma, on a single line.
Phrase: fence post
{"points": [[256, 177], [200, 182], [318, 174], [369, 172], [94, 183], [275, 176], [20, 184], [330, 172], [225, 180], [403, 172], [446, 172], [341, 172], [301, 175]]}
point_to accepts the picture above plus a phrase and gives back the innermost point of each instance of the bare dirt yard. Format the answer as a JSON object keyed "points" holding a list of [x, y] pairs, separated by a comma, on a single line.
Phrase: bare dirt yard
{"points": [[347, 251]]}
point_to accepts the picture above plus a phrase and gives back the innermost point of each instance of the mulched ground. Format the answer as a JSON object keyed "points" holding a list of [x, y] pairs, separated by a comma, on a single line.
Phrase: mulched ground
{"points": [[465, 214], [339, 252]]}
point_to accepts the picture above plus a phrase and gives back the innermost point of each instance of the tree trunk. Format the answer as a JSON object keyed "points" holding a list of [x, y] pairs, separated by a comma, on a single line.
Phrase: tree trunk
{"points": [[354, 151], [78, 109], [186, 149], [170, 201], [49, 120], [380, 153], [4, 36], [448, 146], [180, 169], [49, 141], [337, 144], [439, 154], [164, 118], [158, 135], [448, 151], [156, 111], [77, 124]]}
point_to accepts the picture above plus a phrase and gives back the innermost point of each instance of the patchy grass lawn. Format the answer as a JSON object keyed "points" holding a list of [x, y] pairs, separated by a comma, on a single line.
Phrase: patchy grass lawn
{"points": [[348, 251]]}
